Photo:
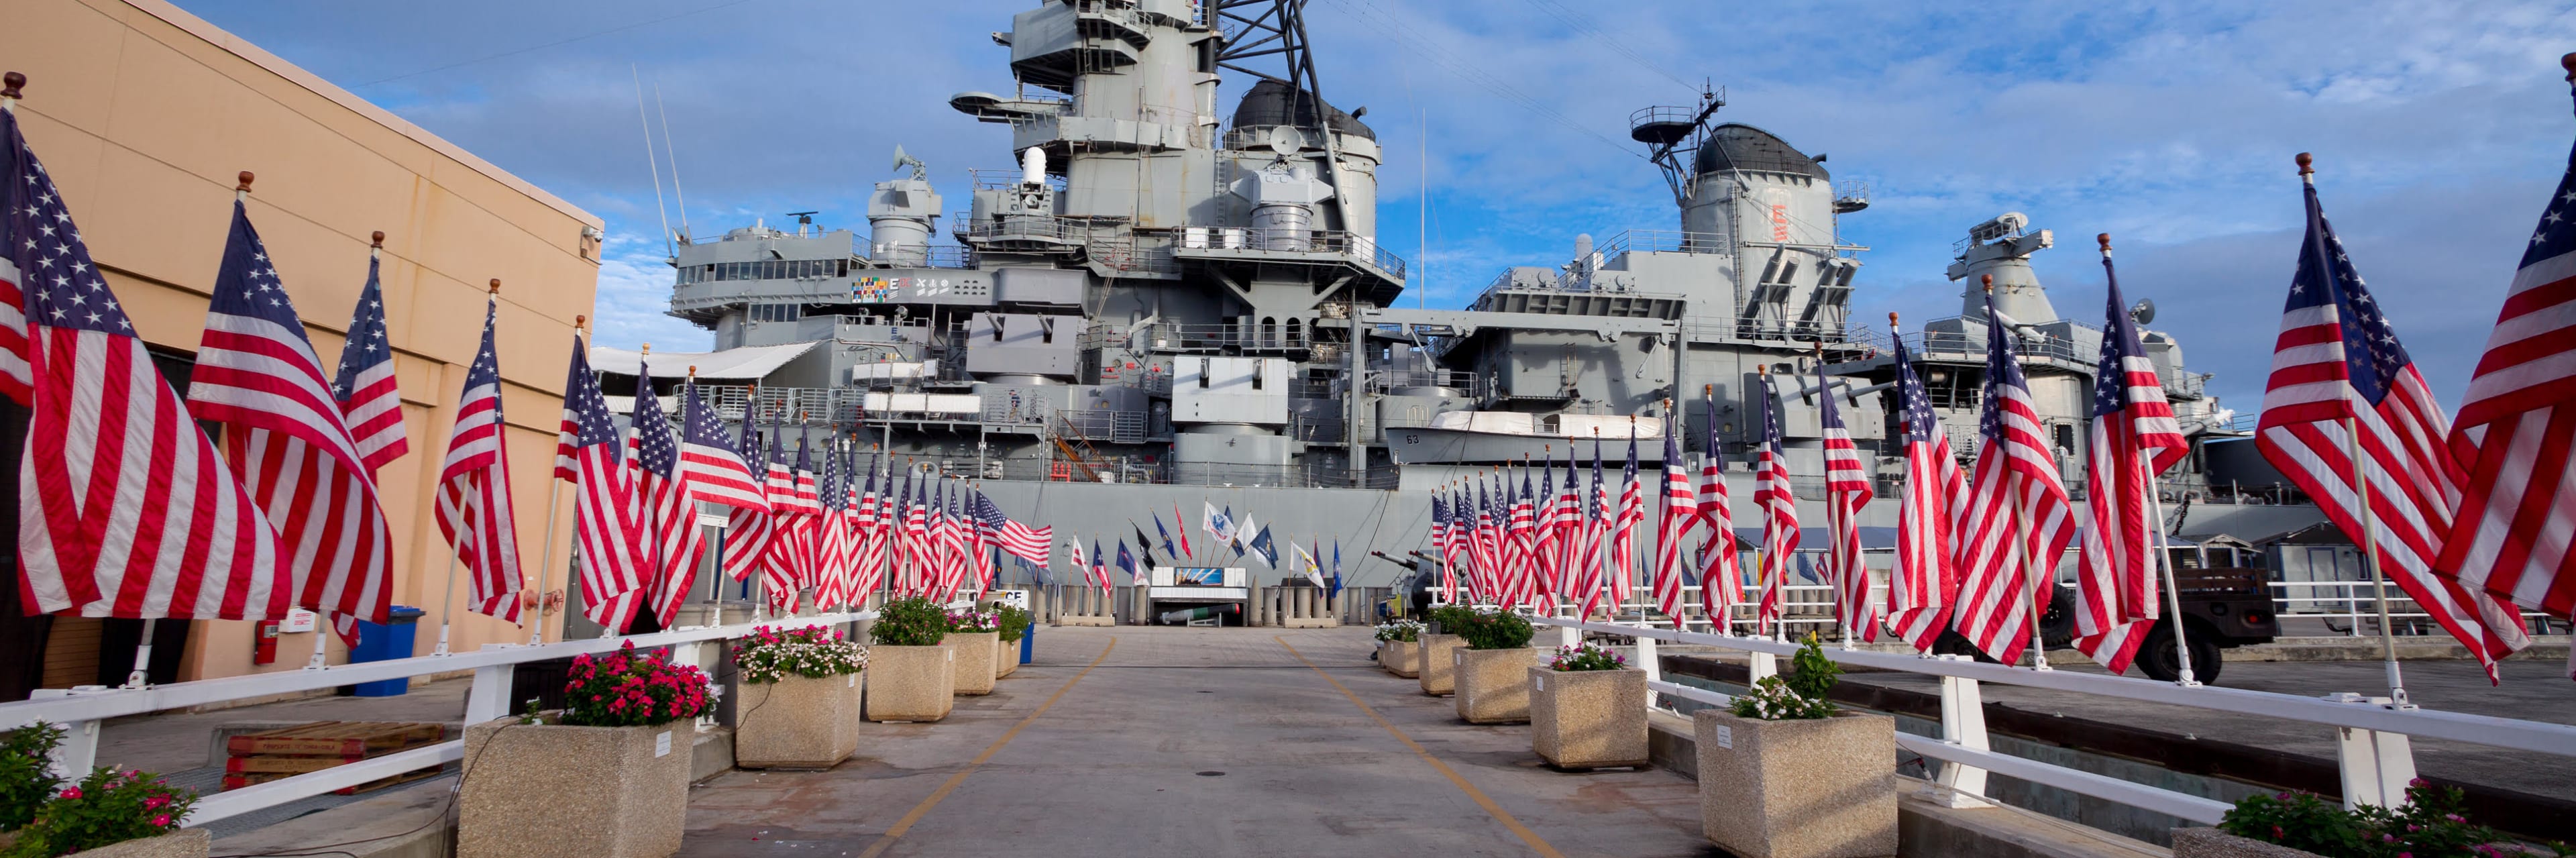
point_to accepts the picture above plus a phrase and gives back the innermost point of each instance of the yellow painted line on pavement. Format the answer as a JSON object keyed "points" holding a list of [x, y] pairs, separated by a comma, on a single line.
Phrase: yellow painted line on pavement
{"points": [[923, 809], [1482, 800]]}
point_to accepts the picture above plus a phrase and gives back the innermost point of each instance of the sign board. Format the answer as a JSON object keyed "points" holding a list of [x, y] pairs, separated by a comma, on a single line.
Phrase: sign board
{"points": [[297, 620], [1197, 576], [1014, 598]]}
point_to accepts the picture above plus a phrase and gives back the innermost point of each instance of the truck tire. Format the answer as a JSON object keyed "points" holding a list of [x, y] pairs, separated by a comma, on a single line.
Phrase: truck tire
{"points": [[2057, 625], [2155, 656]]}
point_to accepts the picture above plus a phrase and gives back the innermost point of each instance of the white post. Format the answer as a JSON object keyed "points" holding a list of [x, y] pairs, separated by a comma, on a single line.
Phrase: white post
{"points": [[2376, 765], [546, 565], [489, 698], [321, 640], [141, 675], [1758, 665], [1654, 668], [2173, 594], [1963, 723], [2370, 557], [447, 604], [78, 754]]}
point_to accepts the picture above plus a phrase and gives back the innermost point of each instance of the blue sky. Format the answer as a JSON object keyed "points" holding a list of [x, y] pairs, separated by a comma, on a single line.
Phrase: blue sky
{"points": [[2439, 130]]}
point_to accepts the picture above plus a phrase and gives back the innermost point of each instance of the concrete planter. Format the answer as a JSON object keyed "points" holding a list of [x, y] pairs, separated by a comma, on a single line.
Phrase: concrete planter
{"points": [[545, 790], [797, 722], [1433, 650], [1588, 719], [1402, 658], [183, 843], [910, 683], [2213, 843], [1820, 788], [977, 660], [1493, 684], [1006, 658]]}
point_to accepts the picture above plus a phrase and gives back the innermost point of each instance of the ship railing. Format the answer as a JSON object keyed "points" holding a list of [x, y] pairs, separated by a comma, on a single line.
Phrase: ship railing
{"points": [[2376, 764], [1173, 337], [920, 256], [1660, 241], [1798, 332], [791, 405], [2186, 385], [999, 178], [2355, 605], [1126, 254], [82, 711], [1384, 380], [1023, 227], [1955, 343], [1249, 240]]}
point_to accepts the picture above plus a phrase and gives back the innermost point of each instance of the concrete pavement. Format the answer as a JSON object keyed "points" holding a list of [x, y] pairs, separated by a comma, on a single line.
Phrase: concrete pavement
{"points": [[1172, 741]]}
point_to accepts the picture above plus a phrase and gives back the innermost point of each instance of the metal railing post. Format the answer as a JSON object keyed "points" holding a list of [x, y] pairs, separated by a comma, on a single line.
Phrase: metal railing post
{"points": [[1759, 665], [1653, 666], [489, 698], [2376, 765], [78, 754], [1963, 723]]}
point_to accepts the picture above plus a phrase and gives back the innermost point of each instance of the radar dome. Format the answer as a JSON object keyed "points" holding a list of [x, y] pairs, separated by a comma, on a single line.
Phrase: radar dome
{"points": [[1734, 146]]}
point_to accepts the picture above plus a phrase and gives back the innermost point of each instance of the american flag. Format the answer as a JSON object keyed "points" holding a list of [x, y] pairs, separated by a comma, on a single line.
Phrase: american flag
{"points": [[718, 470], [667, 520], [867, 534], [1596, 528], [1847, 491], [474, 486], [1926, 578], [589, 452], [1440, 542], [1568, 525], [916, 537], [1779, 505], [2018, 520], [1521, 543], [125, 509], [368, 396], [1545, 553], [2135, 438], [2520, 398], [2338, 363], [1623, 530], [747, 525], [1018, 540], [833, 582], [287, 441], [1720, 578], [788, 567], [1681, 505], [1487, 549]]}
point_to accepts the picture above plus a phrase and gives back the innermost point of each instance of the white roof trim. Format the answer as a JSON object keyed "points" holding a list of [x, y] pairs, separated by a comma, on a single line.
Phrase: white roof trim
{"points": [[750, 363]]}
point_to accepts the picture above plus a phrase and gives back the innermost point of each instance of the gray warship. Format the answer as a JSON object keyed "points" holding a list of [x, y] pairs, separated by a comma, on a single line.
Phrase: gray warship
{"points": [[1173, 297]]}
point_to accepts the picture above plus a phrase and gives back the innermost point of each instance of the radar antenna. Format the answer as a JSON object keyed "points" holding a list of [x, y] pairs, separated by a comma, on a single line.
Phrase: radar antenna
{"points": [[903, 159], [1251, 29]]}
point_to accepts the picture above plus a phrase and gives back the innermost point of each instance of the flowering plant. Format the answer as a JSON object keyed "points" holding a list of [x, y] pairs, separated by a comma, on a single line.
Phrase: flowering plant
{"points": [[1800, 695], [974, 621], [26, 772], [1014, 621], [107, 807], [1494, 630], [913, 621], [1586, 657], [770, 655], [632, 690], [1400, 631], [2429, 824]]}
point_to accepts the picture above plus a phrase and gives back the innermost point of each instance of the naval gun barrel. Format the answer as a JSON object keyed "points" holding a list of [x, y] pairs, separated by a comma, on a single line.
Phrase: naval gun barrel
{"points": [[1203, 612]]}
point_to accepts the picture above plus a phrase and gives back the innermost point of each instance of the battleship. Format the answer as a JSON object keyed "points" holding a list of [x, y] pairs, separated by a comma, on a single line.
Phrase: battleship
{"points": [[1173, 297]]}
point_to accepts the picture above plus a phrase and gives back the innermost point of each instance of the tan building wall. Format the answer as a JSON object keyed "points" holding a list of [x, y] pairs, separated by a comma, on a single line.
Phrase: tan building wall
{"points": [[143, 114]]}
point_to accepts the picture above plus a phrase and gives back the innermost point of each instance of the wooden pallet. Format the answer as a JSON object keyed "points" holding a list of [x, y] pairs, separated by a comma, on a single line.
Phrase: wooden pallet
{"points": [[336, 738], [257, 758]]}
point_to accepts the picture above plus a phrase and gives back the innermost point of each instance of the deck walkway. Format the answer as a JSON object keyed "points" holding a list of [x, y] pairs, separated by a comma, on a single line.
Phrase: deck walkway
{"points": [[1173, 741]]}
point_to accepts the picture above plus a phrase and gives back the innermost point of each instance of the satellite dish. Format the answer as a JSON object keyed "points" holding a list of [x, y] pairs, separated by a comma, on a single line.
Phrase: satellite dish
{"points": [[1282, 140], [902, 160], [2144, 312]]}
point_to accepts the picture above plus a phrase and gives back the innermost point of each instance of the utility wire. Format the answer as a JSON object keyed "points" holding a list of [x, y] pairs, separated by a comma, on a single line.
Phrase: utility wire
{"points": [[556, 43], [1576, 23]]}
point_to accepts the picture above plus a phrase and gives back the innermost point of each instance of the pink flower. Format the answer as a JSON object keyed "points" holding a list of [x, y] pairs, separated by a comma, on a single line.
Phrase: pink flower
{"points": [[155, 802], [73, 793], [161, 821]]}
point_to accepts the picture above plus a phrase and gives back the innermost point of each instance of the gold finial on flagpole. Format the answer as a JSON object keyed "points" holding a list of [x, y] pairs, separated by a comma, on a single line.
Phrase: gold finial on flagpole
{"points": [[581, 323], [242, 190], [648, 350], [376, 242], [11, 83], [496, 286], [2307, 164], [2105, 239], [1891, 320]]}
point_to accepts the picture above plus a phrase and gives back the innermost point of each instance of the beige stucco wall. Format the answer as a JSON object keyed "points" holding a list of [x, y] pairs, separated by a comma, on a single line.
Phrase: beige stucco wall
{"points": [[144, 114]]}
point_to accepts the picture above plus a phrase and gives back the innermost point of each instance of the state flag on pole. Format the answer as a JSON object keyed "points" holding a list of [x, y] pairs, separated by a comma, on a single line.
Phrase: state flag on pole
{"points": [[124, 509], [2338, 364], [2135, 438], [1127, 563], [287, 439]]}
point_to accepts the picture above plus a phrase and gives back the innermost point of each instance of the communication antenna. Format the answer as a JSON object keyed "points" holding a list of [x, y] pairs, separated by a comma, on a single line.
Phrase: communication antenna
{"points": [[804, 220], [674, 158], [2144, 312], [902, 160], [651, 161]]}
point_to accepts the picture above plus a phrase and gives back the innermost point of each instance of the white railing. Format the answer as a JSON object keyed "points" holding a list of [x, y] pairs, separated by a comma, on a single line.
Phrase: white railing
{"points": [[81, 711], [2373, 752]]}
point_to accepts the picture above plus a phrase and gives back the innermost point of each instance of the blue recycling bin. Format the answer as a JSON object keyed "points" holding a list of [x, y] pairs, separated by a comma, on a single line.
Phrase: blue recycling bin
{"points": [[1028, 642], [386, 642]]}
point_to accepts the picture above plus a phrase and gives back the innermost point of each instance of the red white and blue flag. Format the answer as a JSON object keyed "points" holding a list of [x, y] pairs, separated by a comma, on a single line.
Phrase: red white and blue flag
{"points": [[2337, 364], [718, 469], [370, 400], [124, 509], [1721, 578], [1847, 491], [1680, 508], [2018, 521], [1925, 582], [747, 525], [1623, 529], [589, 452], [667, 509], [474, 487], [2517, 428], [287, 440], [1779, 503], [2135, 438], [1016, 539]]}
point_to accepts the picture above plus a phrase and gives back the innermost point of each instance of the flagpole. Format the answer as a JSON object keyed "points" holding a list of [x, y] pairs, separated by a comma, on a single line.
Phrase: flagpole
{"points": [[2164, 558], [2021, 538], [2370, 557], [554, 490]]}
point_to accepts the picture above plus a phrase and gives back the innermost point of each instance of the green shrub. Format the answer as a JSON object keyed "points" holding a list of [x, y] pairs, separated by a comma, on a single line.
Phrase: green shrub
{"points": [[108, 807], [1803, 694], [1015, 622], [1498, 630], [26, 772], [1586, 657], [910, 622], [2428, 824], [1451, 618], [632, 690], [1811, 673]]}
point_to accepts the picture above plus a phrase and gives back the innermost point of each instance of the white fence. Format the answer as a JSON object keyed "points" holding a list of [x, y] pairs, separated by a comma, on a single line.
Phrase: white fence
{"points": [[80, 712], [2373, 752]]}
